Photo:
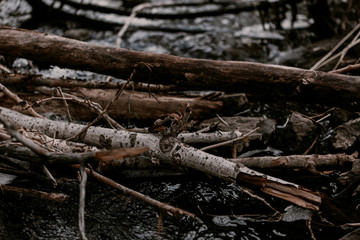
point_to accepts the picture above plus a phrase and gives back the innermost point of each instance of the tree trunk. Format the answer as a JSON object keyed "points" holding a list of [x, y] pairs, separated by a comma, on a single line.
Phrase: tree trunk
{"points": [[258, 79]]}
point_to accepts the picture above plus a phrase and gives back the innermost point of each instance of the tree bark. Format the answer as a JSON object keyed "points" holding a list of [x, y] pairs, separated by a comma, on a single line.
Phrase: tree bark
{"points": [[258, 79]]}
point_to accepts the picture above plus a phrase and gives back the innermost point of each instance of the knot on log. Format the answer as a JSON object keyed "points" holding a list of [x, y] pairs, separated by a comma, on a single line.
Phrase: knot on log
{"points": [[166, 144]]}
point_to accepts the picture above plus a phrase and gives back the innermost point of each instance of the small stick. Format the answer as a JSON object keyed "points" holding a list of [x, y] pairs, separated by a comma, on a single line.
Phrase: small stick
{"points": [[19, 101], [346, 69], [221, 119], [323, 118], [133, 14], [66, 105], [49, 175], [82, 201], [87, 103], [320, 62], [166, 208], [230, 141], [105, 109]]}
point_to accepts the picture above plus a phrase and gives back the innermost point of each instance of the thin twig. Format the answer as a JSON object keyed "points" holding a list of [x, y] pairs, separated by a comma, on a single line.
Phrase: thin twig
{"points": [[133, 14], [66, 105], [308, 223], [19, 101], [339, 53], [346, 69], [105, 109], [49, 175], [230, 141], [84, 102], [82, 201], [317, 65], [221, 119], [166, 208], [345, 50]]}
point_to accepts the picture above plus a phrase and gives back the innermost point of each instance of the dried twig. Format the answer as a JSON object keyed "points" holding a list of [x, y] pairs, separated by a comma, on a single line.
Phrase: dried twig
{"points": [[135, 10], [103, 111], [66, 105], [82, 201], [322, 60], [19, 101], [230, 141], [93, 106], [166, 208], [346, 69]]}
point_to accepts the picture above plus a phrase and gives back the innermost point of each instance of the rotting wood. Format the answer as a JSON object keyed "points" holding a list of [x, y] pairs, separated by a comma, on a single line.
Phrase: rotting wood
{"points": [[262, 80], [165, 148]]}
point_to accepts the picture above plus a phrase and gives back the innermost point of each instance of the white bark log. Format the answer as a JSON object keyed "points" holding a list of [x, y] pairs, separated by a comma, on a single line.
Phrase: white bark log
{"points": [[171, 150], [165, 148], [218, 136]]}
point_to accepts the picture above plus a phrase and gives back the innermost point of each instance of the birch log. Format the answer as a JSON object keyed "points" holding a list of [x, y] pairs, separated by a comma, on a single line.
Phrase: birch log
{"points": [[258, 79], [170, 150]]}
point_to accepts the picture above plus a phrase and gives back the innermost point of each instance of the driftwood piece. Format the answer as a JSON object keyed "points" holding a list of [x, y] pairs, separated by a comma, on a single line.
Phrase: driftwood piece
{"points": [[169, 149], [259, 79]]}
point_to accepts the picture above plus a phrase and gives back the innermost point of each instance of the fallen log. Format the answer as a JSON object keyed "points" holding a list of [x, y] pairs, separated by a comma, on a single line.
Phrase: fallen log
{"points": [[262, 80], [169, 149]]}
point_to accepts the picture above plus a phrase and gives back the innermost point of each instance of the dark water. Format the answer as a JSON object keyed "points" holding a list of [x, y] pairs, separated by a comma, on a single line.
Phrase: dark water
{"points": [[224, 210]]}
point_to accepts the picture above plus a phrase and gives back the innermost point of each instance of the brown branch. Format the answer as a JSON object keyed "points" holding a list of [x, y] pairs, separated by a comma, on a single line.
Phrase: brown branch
{"points": [[19, 101], [261, 80], [166, 208]]}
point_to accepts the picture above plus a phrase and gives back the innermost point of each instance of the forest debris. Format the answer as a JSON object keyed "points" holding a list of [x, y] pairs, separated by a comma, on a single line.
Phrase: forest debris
{"points": [[166, 208], [243, 124], [346, 135], [263, 80], [19, 101], [169, 149]]}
